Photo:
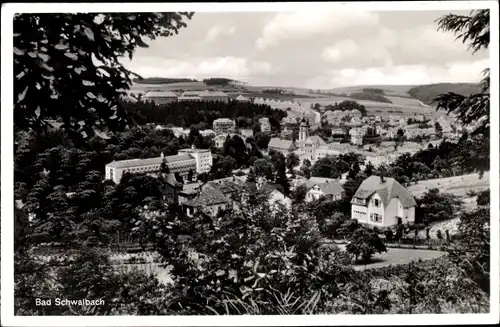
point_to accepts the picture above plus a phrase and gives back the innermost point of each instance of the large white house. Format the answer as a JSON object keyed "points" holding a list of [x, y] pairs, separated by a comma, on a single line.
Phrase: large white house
{"points": [[197, 160], [381, 202]]}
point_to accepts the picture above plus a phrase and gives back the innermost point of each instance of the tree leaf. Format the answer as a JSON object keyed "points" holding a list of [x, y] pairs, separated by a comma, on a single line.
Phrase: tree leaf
{"points": [[18, 52], [71, 55], [88, 32], [61, 46], [22, 95]]}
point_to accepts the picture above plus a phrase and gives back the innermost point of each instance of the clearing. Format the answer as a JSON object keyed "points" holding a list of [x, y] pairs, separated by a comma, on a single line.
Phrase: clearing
{"points": [[398, 257], [457, 185]]}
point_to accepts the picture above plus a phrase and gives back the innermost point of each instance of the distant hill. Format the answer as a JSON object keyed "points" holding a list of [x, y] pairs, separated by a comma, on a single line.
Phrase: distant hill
{"points": [[426, 93], [162, 80]]}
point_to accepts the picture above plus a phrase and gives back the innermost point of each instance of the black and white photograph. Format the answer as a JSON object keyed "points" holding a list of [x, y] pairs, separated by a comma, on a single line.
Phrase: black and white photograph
{"points": [[250, 163]]}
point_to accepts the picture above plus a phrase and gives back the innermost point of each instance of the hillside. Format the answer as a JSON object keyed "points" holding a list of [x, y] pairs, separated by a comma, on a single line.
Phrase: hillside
{"points": [[426, 93]]}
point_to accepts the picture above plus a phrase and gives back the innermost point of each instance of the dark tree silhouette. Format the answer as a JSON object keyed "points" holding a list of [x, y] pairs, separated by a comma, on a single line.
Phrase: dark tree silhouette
{"points": [[66, 66], [473, 30]]}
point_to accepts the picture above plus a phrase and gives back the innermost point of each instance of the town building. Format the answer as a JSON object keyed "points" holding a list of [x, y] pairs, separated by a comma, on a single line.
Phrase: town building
{"points": [[207, 133], [356, 135], [382, 202], [280, 145], [224, 125], [196, 160], [213, 96], [220, 139], [203, 158], [265, 126], [180, 163], [323, 187], [160, 97], [241, 98], [247, 132]]}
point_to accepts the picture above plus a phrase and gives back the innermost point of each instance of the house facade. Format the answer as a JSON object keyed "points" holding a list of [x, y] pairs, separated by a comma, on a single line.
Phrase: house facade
{"points": [[328, 188], [223, 125], [180, 163], [203, 158], [382, 202]]}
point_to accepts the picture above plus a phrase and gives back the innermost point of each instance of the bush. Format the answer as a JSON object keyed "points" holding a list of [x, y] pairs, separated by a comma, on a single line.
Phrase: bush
{"points": [[364, 243]]}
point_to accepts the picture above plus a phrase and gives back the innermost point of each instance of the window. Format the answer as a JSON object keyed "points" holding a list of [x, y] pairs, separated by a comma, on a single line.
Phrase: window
{"points": [[376, 202], [375, 217]]}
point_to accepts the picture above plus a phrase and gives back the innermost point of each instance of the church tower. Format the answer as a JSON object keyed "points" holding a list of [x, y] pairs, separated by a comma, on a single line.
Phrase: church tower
{"points": [[303, 130]]}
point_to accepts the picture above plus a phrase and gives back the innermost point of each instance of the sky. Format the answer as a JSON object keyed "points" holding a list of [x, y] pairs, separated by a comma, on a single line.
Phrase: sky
{"points": [[315, 49]]}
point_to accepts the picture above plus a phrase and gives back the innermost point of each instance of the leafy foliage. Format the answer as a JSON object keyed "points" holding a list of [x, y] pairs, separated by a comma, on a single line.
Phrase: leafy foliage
{"points": [[66, 66], [434, 206], [473, 109], [188, 113]]}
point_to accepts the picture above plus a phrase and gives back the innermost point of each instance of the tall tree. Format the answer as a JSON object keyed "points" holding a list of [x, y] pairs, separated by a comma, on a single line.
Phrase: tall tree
{"points": [[474, 31], [66, 66]]}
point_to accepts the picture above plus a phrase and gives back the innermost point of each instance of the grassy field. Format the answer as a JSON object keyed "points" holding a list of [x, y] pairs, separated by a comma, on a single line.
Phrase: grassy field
{"points": [[390, 90], [397, 257], [457, 185]]}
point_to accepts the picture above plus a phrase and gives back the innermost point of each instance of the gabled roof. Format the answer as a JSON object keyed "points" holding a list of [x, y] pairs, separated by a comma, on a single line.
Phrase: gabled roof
{"points": [[224, 186], [160, 94], [208, 198], [387, 190], [329, 186], [276, 142], [315, 139]]}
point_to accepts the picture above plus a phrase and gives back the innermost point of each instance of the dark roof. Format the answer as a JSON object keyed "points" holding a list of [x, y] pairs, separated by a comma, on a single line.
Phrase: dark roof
{"points": [[170, 179], [224, 186], [388, 190], [207, 198]]}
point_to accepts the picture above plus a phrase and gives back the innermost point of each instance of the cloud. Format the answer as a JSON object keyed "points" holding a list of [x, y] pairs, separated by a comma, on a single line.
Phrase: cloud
{"points": [[419, 45], [298, 25], [402, 75], [216, 31], [231, 67]]}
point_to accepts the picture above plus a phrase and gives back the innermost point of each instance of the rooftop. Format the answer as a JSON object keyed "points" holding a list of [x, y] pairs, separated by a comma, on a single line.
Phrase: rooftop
{"points": [[387, 190], [207, 198], [149, 161], [276, 142], [160, 94]]}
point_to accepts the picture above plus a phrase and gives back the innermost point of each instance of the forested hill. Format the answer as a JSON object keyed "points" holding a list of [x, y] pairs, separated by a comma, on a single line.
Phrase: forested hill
{"points": [[426, 93]]}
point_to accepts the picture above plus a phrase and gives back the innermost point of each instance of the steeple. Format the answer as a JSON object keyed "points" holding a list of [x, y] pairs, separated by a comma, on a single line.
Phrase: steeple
{"points": [[303, 129]]}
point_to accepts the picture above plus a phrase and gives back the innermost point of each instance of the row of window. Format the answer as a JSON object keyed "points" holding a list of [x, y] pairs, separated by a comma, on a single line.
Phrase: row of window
{"points": [[359, 213]]}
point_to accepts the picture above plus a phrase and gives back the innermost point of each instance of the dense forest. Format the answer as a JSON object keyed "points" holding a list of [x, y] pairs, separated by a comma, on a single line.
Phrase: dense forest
{"points": [[185, 113], [162, 80], [220, 81], [347, 105], [372, 96]]}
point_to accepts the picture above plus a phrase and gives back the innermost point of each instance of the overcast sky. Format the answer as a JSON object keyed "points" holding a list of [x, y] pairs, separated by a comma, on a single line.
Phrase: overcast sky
{"points": [[313, 49]]}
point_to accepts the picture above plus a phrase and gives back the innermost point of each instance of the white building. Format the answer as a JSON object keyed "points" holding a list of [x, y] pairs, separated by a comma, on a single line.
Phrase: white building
{"points": [[180, 163], [265, 126], [203, 158], [381, 202], [224, 125], [160, 97], [323, 187]]}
